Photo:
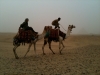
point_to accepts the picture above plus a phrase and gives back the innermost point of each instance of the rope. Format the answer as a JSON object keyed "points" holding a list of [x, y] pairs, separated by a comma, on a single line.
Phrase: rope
{"points": [[63, 27]]}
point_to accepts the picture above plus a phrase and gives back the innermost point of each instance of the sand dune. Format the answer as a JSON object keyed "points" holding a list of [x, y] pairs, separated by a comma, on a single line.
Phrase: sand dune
{"points": [[81, 56]]}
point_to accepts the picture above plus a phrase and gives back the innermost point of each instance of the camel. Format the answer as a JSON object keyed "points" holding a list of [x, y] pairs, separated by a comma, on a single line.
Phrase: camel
{"points": [[60, 40], [17, 43]]}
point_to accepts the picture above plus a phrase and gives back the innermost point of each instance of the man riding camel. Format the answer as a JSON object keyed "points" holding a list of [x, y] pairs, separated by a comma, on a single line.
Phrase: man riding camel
{"points": [[25, 26], [55, 22]]}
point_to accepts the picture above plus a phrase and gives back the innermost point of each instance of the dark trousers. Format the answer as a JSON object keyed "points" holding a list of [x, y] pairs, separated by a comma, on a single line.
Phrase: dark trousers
{"points": [[30, 28], [57, 26]]}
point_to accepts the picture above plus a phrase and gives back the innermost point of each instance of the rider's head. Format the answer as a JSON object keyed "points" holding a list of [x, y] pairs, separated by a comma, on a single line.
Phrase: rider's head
{"points": [[59, 19], [26, 20]]}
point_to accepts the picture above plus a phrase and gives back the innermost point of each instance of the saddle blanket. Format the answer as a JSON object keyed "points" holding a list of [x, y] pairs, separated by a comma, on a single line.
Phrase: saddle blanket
{"points": [[47, 28], [54, 33], [25, 35]]}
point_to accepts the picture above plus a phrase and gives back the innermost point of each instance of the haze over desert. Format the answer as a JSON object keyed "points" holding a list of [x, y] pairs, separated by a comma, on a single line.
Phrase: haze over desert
{"points": [[81, 56]]}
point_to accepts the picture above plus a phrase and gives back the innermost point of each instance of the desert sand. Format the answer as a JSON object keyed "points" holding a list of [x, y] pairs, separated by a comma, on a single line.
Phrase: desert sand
{"points": [[81, 56]]}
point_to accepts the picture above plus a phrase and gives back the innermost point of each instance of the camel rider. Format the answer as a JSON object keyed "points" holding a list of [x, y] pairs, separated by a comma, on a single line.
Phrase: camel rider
{"points": [[55, 22], [25, 26]]}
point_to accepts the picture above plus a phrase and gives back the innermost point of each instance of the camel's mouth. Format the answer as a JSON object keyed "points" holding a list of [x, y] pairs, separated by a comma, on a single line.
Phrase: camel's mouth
{"points": [[74, 26]]}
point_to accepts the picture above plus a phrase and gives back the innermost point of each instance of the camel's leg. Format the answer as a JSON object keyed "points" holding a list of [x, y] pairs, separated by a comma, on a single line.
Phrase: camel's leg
{"points": [[62, 47], [59, 46], [35, 49], [62, 44], [49, 42], [14, 50], [45, 42], [28, 49]]}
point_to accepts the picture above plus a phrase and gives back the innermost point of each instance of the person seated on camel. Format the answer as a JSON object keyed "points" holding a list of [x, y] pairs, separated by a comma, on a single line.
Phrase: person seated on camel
{"points": [[25, 26], [55, 22]]}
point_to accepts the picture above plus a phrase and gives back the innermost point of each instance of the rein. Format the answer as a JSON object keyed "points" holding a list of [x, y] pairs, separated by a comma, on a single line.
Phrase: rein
{"points": [[63, 28]]}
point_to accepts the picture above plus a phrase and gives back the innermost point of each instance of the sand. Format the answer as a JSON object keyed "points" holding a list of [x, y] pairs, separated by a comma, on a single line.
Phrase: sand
{"points": [[81, 56]]}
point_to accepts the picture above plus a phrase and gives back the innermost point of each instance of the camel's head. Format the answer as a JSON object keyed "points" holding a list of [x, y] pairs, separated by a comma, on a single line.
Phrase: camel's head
{"points": [[70, 27]]}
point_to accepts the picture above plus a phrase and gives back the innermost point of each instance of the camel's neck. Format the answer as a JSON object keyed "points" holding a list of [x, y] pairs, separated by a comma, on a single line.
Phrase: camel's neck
{"points": [[68, 33], [42, 35]]}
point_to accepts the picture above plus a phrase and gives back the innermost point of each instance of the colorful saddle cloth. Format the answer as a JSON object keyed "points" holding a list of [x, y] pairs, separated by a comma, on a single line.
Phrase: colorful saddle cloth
{"points": [[54, 33], [47, 28], [26, 35]]}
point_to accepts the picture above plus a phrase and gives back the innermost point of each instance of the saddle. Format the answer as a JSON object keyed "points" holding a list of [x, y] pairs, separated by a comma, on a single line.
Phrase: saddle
{"points": [[25, 36], [54, 33], [51, 33], [47, 28]]}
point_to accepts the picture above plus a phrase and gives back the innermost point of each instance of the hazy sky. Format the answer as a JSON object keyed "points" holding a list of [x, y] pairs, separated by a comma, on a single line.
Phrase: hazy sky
{"points": [[84, 14]]}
